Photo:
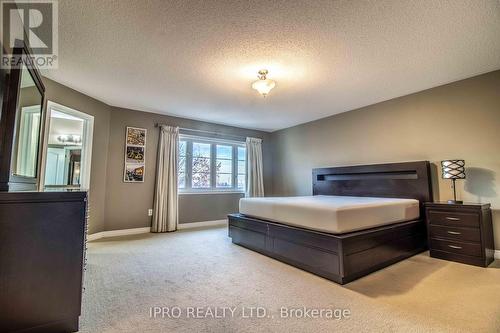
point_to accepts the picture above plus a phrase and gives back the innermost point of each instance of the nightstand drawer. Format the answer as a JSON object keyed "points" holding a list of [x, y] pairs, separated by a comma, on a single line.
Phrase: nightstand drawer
{"points": [[453, 218], [470, 249], [454, 233], [460, 232]]}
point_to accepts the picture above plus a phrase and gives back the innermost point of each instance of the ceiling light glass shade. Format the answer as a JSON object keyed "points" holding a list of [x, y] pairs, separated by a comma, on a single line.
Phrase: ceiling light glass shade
{"points": [[263, 86], [70, 139]]}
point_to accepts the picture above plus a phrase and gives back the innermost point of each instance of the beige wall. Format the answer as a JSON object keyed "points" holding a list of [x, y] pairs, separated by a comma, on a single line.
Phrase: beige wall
{"points": [[458, 120], [127, 203], [61, 94], [29, 96], [209, 207], [118, 205]]}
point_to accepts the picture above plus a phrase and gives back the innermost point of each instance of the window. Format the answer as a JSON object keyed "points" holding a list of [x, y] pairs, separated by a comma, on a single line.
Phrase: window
{"points": [[224, 166], [201, 165], [182, 164], [242, 167], [211, 165]]}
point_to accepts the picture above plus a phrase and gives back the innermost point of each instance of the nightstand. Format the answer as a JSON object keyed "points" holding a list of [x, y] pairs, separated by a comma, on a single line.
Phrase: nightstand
{"points": [[460, 232]]}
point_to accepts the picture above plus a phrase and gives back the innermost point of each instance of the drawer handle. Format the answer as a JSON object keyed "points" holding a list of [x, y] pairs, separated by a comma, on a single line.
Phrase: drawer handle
{"points": [[454, 232], [453, 218], [455, 247]]}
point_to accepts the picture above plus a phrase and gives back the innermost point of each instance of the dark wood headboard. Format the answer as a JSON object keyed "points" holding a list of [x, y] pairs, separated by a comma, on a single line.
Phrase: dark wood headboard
{"points": [[411, 180]]}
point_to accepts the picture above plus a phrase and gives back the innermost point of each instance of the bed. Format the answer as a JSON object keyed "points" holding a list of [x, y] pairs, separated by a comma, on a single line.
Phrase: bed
{"points": [[331, 213], [359, 220]]}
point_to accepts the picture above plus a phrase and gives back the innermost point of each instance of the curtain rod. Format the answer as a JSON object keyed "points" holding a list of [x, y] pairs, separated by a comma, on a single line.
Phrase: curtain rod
{"points": [[242, 138]]}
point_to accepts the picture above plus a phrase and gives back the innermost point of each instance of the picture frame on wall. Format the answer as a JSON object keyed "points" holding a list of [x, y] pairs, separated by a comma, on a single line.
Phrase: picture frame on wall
{"points": [[135, 155], [136, 136], [134, 173]]}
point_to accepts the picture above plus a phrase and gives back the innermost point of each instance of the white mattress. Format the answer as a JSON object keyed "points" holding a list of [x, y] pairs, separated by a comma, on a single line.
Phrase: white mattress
{"points": [[332, 214]]}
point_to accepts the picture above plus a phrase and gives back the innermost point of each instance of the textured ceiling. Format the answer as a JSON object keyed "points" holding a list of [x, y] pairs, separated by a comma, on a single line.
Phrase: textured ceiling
{"points": [[197, 59]]}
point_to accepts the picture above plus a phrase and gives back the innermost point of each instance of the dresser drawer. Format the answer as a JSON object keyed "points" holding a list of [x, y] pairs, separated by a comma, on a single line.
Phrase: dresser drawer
{"points": [[470, 249], [455, 233], [460, 232], [453, 218]]}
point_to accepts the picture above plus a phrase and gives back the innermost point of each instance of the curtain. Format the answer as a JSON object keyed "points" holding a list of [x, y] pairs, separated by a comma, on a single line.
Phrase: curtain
{"points": [[255, 177], [165, 214]]}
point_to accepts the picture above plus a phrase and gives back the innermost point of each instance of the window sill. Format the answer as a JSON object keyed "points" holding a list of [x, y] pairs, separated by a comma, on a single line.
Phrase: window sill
{"points": [[212, 192]]}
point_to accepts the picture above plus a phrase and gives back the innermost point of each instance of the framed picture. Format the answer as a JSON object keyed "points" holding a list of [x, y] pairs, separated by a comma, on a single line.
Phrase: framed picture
{"points": [[134, 173], [135, 155], [136, 136]]}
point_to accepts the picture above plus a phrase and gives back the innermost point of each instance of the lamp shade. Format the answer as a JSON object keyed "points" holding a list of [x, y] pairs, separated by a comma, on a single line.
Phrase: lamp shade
{"points": [[263, 86], [453, 169]]}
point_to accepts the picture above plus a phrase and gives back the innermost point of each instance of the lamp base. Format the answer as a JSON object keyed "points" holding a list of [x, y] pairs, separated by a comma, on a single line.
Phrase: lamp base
{"points": [[457, 202]]}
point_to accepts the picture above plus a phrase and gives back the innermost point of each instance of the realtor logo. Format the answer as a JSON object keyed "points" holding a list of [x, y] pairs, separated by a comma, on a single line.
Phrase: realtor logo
{"points": [[35, 23]]}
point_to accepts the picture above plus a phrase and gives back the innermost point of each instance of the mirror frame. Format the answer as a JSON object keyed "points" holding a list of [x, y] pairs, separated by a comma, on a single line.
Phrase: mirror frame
{"points": [[10, 118]]}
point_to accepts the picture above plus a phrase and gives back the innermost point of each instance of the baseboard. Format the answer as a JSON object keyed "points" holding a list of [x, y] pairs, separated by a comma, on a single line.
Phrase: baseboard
{"points": [[115, 233], [135, 231], [182, 226], [497, 254]]}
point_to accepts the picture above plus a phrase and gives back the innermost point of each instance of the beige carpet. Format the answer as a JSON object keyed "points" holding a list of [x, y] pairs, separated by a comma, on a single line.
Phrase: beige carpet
{"points": [[202, 268]]}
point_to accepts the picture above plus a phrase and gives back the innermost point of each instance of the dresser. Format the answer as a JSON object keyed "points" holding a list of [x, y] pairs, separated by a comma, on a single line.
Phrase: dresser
{"points": [[460, 232], [42, 253]]}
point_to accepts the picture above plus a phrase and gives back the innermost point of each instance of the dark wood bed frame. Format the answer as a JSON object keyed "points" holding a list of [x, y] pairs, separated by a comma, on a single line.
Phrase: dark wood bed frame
{"points": [[345, 257]]}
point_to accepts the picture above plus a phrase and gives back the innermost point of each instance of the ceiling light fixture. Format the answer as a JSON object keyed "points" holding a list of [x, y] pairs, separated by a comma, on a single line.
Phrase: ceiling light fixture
{"points": [[263, 85], [70, 139]]}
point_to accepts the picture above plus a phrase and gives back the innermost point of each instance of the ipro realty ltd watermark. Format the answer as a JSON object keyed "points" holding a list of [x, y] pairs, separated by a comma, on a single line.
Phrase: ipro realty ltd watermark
{"points": [[246, 312], [34, 24]]}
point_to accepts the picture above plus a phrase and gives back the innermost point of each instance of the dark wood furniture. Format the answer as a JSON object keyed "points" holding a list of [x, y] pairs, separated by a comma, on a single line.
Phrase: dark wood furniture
{"points": [[22, 86], [3, 85], [42, 249], [460, 232], [42, 234], [345, 257]]}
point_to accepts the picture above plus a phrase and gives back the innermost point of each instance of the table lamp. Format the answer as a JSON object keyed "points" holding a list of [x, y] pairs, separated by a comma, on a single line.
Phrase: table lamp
{"points": [[453, 169]]}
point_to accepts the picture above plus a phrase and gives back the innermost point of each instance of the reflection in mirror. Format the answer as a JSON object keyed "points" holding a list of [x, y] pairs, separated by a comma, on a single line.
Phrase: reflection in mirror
{"points": [[64, 151], [28, 133]]}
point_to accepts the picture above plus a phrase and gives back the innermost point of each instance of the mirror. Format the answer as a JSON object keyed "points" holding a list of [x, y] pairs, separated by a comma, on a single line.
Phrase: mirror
{"points": [[64, 149], [21, 122], [28, 121]]}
